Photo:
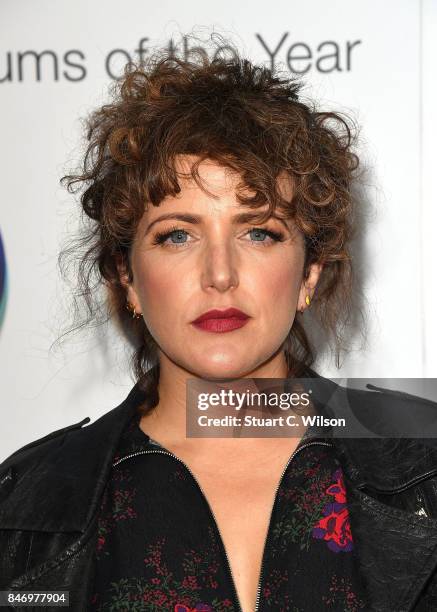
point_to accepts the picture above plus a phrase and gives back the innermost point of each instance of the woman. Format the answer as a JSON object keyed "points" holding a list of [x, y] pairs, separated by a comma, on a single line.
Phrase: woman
{"points": [[211, 186]]}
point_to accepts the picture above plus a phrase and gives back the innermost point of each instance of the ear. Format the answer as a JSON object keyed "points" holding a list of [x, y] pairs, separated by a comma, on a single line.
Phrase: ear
{"points": [[127, 282], [308, 285]]}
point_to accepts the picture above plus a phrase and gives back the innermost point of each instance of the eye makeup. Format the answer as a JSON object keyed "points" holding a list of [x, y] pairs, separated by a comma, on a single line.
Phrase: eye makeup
{"points": [[161, 238]]}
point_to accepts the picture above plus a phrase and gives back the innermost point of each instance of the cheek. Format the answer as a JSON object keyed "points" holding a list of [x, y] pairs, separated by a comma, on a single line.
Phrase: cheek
{"points": [[161, 290], [153, 286], [279, 285]]}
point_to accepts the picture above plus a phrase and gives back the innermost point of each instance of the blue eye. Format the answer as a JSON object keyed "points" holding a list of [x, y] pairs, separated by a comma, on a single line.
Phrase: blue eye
{"points": [[176, 234], [257, 231], [161, 237]]}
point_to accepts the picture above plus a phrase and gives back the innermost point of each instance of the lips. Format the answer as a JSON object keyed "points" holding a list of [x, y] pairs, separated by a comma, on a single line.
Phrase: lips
{"points": [[220, 321], [222, 314]]}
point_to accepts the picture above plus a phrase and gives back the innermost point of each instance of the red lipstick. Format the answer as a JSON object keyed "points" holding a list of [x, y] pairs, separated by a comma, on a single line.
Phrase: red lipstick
{"points": [[220, 321]]}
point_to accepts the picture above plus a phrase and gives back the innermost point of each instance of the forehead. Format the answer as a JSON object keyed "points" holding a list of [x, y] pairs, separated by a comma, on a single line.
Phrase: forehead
{"points": [[218, 179], [218, 186]]}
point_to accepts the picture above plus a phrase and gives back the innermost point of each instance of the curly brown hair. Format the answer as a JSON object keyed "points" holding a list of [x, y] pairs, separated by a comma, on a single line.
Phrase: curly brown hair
{"points": [[246, 118]]}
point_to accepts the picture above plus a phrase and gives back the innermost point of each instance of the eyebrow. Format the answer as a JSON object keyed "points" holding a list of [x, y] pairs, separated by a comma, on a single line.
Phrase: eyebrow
{"points": [[196, 219]]}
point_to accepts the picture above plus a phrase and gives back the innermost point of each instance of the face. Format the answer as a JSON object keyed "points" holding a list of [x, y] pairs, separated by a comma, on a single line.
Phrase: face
{"points": [[183, 268]]}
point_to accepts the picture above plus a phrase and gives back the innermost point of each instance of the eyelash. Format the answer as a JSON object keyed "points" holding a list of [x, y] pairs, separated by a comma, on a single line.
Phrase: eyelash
{"points": [[160, 238]]}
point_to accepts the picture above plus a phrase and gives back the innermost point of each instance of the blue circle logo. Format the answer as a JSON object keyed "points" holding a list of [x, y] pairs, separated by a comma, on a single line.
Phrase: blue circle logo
{"points": [[3, 280]]}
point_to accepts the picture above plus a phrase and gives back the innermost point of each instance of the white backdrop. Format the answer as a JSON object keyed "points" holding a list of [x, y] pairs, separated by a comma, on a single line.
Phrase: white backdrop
{"points": [[380, 69]]}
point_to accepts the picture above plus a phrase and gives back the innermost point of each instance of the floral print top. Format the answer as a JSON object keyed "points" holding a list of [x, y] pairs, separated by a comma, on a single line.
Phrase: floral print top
{"points": [[159, 548]]}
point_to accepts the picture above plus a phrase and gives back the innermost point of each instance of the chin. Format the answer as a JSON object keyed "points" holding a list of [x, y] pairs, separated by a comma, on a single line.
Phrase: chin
{"points": [[217, 371]]}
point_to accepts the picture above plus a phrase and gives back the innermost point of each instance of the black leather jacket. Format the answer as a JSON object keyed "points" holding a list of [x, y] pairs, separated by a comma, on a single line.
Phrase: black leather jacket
{"points": [[50, 491]]}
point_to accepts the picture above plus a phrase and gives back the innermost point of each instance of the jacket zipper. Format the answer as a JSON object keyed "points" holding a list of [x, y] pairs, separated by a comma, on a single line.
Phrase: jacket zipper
{"points": [[258, 595], [234, 589]]}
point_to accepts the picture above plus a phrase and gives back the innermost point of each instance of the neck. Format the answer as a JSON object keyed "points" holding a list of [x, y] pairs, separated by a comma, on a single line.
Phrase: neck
{"points": [[166, 422]]}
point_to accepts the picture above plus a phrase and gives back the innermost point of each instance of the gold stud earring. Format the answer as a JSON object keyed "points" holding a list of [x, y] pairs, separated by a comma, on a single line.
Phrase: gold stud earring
{"points": [[131, 308], [307, 300]]}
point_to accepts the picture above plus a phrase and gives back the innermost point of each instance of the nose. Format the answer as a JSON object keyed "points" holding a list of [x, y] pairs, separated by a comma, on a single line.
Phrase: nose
{"points": [[219, 266]]}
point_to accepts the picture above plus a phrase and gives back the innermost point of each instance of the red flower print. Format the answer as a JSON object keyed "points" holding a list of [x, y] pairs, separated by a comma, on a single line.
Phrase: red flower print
{"points": [[338, 489], [341, 596], [190, 582], [334, 526], [200, 607]]}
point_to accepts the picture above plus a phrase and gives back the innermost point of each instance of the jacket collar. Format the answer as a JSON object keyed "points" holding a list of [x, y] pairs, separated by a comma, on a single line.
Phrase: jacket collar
{"points": [[378, 463]]}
